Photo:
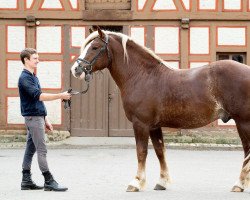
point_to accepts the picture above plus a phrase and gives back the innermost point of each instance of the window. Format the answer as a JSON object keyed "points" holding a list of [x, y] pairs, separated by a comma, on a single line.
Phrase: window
{"points": [[112, 28], [239, 57]]}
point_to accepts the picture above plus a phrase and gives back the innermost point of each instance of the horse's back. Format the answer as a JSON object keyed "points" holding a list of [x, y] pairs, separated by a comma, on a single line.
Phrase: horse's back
{"points": [[201, 95], [231, 86]]}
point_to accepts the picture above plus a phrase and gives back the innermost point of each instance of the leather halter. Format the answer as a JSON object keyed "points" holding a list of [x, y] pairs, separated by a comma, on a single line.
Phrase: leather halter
{"points": [[88, 65]]}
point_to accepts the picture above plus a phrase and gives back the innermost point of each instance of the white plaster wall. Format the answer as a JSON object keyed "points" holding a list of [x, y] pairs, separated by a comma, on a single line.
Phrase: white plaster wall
{"points": [[137, 33], [49, 39], [199, 40], [167, 40], [164, 5], [207, 4], [74, 3], [29, 3], [186, 4], [141, 3], [78, 36], [54, 111], [14, 111], [50, 74], [8, 3], [16, 38], [197, 64], [230, 122], [14, 68], [232, 4], [172, 64], [231, 36], [52, 4]]}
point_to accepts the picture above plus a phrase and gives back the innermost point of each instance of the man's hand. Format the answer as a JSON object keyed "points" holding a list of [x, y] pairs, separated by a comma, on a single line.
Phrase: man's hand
{"points": [[65, 95], [48, 125]]}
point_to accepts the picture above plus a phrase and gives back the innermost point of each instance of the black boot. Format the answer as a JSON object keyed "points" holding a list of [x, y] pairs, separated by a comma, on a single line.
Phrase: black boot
{"points": [[27, 183], [50, 184]]}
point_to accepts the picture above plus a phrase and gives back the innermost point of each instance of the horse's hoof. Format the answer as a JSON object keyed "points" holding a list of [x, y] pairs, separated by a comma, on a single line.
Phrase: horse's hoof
{"points": [[132, 189], [159, 187], [237, 189]]}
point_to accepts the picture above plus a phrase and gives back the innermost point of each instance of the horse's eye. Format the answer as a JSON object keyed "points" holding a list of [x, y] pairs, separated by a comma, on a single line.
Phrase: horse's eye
{"points": [[94, 48]]}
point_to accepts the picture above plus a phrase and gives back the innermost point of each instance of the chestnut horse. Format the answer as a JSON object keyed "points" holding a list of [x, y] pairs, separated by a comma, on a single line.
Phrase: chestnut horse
{"points": [[155, 95]]}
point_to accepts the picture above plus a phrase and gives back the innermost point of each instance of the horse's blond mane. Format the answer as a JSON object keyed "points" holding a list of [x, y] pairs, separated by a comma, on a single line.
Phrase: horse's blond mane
{"points": [[124, 38]]}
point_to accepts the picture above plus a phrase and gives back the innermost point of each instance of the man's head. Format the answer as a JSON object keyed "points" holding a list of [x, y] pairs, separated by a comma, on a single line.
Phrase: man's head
{"points": [[29, 57]]}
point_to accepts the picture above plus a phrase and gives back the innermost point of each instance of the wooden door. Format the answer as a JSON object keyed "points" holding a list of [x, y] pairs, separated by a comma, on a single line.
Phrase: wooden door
{"points": [[89, 112], [118, 122], [99, 112]]}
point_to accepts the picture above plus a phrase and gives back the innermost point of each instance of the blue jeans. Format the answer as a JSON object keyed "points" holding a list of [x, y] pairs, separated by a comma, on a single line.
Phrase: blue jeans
{"points": [[35, 143]]}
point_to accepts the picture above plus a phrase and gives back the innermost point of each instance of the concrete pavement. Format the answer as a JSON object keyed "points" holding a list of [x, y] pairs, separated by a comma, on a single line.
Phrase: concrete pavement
{"points": [[103, 173]]}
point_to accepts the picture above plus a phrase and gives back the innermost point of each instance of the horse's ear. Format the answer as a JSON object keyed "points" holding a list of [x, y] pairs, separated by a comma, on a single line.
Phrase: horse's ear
{"points": [[94, 27], [97, 28], [90, 30], [101, 33]]}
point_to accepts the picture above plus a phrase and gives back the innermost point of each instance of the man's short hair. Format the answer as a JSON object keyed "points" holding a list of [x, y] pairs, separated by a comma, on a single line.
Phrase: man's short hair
{"points": [[26, 53]]}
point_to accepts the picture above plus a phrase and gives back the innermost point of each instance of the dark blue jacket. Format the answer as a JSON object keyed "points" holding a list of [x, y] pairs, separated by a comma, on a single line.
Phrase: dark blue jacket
{"points": [[30, 91]]}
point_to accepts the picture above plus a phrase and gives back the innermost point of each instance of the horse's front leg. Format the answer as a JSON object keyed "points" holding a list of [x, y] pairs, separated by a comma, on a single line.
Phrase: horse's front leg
{"points": [[141, 132], [157, 140]]}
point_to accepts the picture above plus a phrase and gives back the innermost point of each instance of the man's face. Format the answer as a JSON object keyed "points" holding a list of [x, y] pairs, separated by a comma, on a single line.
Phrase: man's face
{"points": [[33, 61]]}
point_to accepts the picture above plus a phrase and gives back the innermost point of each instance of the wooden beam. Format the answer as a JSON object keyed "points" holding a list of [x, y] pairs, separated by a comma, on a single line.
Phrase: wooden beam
{"points": [[111, 15], [126, 15]]}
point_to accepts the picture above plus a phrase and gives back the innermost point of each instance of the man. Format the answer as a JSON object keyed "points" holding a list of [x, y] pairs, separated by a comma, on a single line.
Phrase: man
{"points": [[34, 112]]}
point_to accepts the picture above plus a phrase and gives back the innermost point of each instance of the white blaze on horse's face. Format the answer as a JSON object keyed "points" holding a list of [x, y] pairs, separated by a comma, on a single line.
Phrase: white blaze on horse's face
{"points": [[74, 67]]}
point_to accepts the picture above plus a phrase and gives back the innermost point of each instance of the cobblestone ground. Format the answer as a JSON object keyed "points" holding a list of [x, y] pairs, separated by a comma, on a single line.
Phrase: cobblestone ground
{"points": [[103, 173]]}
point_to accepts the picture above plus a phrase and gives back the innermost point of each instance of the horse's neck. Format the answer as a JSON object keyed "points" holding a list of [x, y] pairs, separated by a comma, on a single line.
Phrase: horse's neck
{"points": [[139, 62]]}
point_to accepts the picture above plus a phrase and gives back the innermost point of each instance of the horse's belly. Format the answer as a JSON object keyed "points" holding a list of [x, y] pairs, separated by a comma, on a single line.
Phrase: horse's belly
{"points": [[187, 123], [190, 119]]}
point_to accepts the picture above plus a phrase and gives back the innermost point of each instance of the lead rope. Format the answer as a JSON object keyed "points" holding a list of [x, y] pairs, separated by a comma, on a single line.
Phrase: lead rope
{"points": [[67, 103]]}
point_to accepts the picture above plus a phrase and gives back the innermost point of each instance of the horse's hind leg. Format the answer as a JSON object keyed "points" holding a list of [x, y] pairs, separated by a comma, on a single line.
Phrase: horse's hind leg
{"points": [[157, 140], [244, 179], [141, 132]]}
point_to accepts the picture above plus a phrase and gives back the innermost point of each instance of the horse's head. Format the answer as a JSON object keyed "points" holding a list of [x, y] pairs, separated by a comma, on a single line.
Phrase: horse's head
{"points": [[95, 55]]}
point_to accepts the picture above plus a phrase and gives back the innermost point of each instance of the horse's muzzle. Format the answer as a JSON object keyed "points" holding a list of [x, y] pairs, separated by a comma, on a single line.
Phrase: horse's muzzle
{"points": [[78, 72]]}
